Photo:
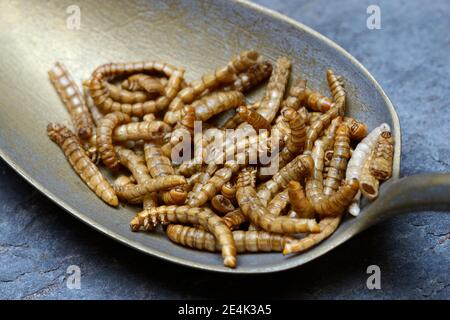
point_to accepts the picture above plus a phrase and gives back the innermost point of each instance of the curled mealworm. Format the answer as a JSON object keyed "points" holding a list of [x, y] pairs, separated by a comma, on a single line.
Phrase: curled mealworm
{"points": [[229, 191], [144, 130], [176, 196], [278, 203], [246, 241], [70, 94], [104, 137], [222, 204], [338, 202], [234, 219], [81, 163], [185, 214], [252, 117], [337, 90], [299, 202], [381, 163]]}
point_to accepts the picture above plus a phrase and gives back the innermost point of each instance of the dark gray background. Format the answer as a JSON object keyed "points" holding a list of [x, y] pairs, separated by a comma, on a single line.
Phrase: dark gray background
{"points": [[409, 56]]}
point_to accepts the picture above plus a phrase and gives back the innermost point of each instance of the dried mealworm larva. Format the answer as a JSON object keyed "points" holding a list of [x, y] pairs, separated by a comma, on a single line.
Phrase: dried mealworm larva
{"points": [[229, 191], [317, 102], [296, 139], [358, 129], [327, 227], [299, 167], [360, 155], [71, 95], [337, 90], [369, 184], [381, 163], [95, 113], [104, 137], [246, 241], [299, 202], [81, 163], [122, 180], [329, 134], [234, 219], [176, 196], [338, 164], [278, 203], [151, 85], [236, 119], [185, 214], [275, 89], [134, 192], [124, 96], [338, 202], [252, 117], [249, 79], [318, 126], [141, 131], [296, 95], [216, 103], [222, 204]]}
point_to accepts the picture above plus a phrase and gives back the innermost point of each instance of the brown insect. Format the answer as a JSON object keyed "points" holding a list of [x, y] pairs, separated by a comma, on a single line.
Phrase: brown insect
{"points": [[314, 183], [216, 103], [337, 90], [252, 117], [229, 191], [317, 102], [144, 130], [275, 89], [329, 136], [176, 196], [299, 167], [81, 163], [125, 96], [151, 85], [95, 113], [278, 203], [222, 204], [297, 137], [72, 98], [185, 214], [123, 180], [234, 219], [245, 241], [249, 79], [318, 126], [296, 95], [369, 184], [104, 137], [236, 119], [339, 201], [299, 202], [381, 164], [358, 129], [338, 164]]}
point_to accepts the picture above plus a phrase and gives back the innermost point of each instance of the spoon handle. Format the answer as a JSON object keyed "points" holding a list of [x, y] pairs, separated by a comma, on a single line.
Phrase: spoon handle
{"points": [[409, 194]]}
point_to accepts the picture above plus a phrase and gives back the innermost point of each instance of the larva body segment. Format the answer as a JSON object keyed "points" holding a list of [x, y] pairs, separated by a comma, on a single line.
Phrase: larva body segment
{"points": [[124, 96], [222, 204], [329, 135], [338, 202], [216, 103], [234, 219], [299, 167], [253, 118], [144, 130], [358, 129], [140, 81], [185, 214], [327, 227], [296, 138], [296, 95], [338, 165], [381, 163], [318, 126], [176, 196], [122, 180], [249, 79], [278, 203], [72, 98], [81, 163], [229, 191], [275, 89], [157, 164], [337, 90], [369, 184], [245, 241], [104, 137], [299, 202], [314, 183], [317, 102]]}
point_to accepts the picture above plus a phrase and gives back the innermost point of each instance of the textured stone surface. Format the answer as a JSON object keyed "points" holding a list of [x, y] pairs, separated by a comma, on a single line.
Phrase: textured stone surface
{"points": [[408, 56]]}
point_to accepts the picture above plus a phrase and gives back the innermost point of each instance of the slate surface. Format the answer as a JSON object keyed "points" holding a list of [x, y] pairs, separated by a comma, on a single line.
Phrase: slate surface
{"points": [[409, 57]]}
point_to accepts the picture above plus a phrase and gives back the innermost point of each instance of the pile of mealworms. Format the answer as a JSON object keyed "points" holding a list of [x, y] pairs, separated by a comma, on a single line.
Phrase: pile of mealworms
{"points": [[132, 117]]}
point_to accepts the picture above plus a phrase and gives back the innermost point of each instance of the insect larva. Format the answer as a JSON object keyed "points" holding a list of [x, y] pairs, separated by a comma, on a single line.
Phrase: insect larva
{"points": [[296, 139], [72, 98], [185, 214], [252, 117], [327, 226], [338, 164], [275, 89], [299, 202], [245, 241], [141, 131], [236, 119], [124, 96], [133, 192], [338, 202], [360, 155], [314, 183], [153, 86], [95, 113], [358, 129], [229, 191], [216, 103], [278, 203], [122, 180], [312, 117], [81, 163], [213, 186], [176, 196], [329, 135], [369, 184], [104, 137], [317, 102], [296, 95], [234, 219], [222, 204], [254, 209], [381, 164], [299, 167], [318, 126], [249, 79], [337, 90]]}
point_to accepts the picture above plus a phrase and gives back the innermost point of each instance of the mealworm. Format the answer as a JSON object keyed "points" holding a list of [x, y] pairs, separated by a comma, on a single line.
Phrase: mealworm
{"points": [[72, 98], [104, 137], [249, 79], [229, 191], [122, 180], [234, 219], [222, 204], [134, 192], [101, 95], [296, 139], [254, 209], [176, 196], [253, 118], [299, 202], [358, 129], [318, 126], [338, 164], [141, 131], [299, 167], [338, 202], [125, 96], [360, 155], [337, 90], [296, 95], [314, 183], [245, 241], [312, 117], [95, 113], [327, 226], [236, 119], [275, 89], [381, 164], [278, 203], [81, 163], [216, 103], [329, 135], [139, 81], [185, 214], [316, 102], [369, 184]]}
